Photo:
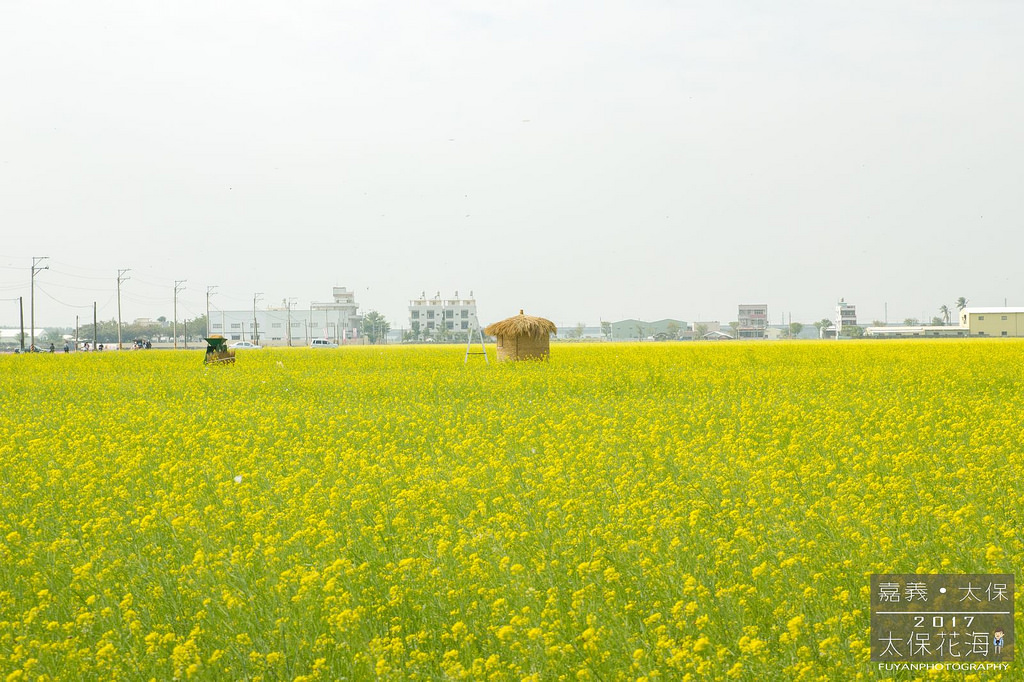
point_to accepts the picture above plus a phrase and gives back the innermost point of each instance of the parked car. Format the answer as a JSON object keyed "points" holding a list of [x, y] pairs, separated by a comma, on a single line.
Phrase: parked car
{"points": [[243, 344], [323, 343]]}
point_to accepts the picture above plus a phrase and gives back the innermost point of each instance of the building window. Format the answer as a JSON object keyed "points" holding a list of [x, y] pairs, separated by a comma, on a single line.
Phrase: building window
{"points": [[981, 317], [415, 315], [430, 325], [296, 324], [1005, 333], [276, 325], [236, 325], [465, 324], [1004, 317], [465, 314], [450, 325], [449, 313], [235, 337], [216, 325], [430, 314]]}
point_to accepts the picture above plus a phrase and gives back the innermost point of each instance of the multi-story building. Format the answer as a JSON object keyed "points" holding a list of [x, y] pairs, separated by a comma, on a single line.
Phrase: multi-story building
{"points": [[752, 321], [285, 325], [340, 315], [431, 315], [846, 314]]}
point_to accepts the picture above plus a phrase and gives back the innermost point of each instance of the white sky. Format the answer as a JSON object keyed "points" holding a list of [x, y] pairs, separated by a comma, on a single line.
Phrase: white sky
{"points": [[581, 160]]}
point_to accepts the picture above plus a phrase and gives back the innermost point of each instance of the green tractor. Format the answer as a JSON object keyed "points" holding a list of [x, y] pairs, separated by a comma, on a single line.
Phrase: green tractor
{"points": [[217, 352]]}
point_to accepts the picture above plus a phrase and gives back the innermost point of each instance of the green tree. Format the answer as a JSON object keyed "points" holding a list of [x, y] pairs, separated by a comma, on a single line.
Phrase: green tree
{"points": [[946, 312], [54, 335], [961, 303], [938, 321], [735, 327], [794, 329], [375, 327], [606, 330], [672, 331], [196, 328], [823, 325], [699, 332], [853, 331], [911, 322]]}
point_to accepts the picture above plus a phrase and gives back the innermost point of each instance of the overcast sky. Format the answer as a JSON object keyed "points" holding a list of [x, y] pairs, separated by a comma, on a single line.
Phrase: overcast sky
{"points": [[580, 160]]}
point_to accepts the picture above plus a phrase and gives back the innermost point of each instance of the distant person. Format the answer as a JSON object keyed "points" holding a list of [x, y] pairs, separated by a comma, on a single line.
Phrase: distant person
{"points": [[67, 348], [52, 349]]}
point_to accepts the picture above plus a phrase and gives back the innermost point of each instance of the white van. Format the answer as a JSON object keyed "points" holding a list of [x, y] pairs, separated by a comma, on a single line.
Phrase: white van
{"points": [[323, 343]]}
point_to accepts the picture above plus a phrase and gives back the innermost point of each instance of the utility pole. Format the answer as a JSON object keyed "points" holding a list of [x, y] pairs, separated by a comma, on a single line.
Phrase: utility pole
{"points": [[179, 284], [209, 290], [288, 303], [36, 260], [77, 325], [21, 314], [255, 322], [120, 278], [94, 325]]}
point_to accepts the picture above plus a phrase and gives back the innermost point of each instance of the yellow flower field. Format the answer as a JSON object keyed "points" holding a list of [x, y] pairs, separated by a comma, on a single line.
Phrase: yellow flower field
{"points": [[709, 511]]}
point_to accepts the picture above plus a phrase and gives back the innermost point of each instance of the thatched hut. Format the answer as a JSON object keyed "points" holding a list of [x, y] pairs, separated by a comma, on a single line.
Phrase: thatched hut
{"points": [[522, 337]]}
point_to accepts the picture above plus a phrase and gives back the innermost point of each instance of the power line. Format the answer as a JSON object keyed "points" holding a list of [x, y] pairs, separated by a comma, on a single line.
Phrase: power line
{"points": [[57, 300], [75, 287]]}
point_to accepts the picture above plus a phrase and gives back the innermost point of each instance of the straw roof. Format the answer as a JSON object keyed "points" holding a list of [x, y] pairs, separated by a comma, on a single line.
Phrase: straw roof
{"points": [[522, 325]]}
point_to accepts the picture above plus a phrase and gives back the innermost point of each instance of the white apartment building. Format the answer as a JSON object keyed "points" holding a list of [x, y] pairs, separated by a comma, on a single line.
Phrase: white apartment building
{"points": [[285, 325], [430, 315]]}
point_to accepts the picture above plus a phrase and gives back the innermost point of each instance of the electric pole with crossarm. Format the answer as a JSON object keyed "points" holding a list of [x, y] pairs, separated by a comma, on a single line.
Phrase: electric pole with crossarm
{"points": [[120, 278], [36, 260]]}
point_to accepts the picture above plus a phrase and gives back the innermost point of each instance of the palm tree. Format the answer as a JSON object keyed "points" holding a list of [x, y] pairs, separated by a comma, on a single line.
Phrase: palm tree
{"points": [[961, 303], [945, 314]]}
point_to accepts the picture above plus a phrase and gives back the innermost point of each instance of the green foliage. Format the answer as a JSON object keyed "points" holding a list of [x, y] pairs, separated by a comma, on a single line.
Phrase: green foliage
{"points": [[374, 326]]}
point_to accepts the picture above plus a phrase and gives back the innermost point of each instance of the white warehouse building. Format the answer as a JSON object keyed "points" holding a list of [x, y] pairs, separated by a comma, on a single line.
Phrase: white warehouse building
{"points": [[336, 320]]}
